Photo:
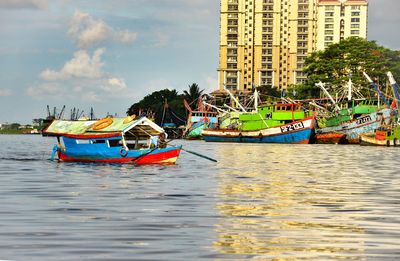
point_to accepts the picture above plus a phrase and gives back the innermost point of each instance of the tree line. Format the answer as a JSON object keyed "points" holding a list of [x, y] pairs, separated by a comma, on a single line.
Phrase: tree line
{"points": [[167, 106]]}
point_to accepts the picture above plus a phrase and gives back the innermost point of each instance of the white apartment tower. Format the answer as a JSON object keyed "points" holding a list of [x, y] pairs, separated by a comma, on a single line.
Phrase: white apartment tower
{"points": [[340, 19], [266, 42]]}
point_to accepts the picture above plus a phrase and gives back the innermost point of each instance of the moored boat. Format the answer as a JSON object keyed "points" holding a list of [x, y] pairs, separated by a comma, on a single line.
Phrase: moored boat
{"points": [[269, 123], [383, 136], [111, 140], [360, 125], [199, 119]]}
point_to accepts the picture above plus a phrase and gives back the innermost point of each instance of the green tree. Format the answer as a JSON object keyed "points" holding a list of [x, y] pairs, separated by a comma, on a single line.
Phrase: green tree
{"points": [[193, 94], [153, 103], [349, 57], [15, 126]]}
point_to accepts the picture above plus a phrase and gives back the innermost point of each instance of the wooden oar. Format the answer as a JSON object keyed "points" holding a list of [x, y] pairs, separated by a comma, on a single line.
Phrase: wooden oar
{"points": [[200, 155], [197, 154]]}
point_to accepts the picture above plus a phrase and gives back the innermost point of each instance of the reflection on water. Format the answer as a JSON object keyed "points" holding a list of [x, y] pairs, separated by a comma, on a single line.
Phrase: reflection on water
{"points": [[266, 202], [293, 203]]}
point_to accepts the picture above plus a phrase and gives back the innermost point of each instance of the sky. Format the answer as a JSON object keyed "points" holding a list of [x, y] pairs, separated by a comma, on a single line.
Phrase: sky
{"points": [[110, 54]]}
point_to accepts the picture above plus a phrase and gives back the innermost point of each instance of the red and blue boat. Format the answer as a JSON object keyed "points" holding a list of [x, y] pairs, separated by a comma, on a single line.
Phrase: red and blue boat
{"points": [[111, 140], [270, 123]]}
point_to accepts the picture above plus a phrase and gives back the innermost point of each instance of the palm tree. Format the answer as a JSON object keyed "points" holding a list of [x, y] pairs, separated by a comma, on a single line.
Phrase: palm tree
{"points": [[194, 93]]}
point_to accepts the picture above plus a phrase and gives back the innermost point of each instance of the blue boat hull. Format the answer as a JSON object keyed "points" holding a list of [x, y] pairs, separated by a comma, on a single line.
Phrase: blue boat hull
{"points": [[296, 132]]}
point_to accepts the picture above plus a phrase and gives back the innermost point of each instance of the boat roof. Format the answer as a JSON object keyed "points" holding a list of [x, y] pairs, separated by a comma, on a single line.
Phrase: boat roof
{"points": [[141, 128]]}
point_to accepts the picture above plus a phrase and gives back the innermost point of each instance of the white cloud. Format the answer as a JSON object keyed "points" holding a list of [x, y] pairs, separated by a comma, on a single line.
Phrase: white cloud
{"points": [[115, 84], [5, 92], [24, 4], [87, 31], [80, 66], [44, 90]]}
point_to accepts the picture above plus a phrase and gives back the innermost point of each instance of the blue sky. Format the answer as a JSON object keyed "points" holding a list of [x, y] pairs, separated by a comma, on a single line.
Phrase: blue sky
{"points": [[109, 54]]}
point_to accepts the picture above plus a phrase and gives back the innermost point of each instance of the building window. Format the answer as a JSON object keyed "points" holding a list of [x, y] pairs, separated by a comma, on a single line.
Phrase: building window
{"points": [[355, 26], [328, 38], [355, 20], [355, 13], [355, 31]]}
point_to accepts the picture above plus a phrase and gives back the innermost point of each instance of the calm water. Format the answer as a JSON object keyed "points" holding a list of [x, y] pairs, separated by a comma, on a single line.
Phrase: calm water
{"points": [[263, 202]]}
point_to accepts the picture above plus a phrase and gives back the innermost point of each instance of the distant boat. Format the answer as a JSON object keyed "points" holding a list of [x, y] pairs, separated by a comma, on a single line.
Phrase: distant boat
{"points": [[200, 119], [110, 140]]}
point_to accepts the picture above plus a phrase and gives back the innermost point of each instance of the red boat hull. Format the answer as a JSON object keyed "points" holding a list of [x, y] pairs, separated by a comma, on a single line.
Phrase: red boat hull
{"points": [[329, 138], [167, 158]]}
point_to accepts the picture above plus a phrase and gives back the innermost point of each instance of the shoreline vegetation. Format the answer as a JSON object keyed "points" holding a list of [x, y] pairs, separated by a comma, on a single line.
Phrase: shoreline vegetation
{"points": [[18, 132]]}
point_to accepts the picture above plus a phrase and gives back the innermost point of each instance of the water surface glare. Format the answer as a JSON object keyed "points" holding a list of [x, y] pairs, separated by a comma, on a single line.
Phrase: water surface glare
{"points": [[263, 202]]}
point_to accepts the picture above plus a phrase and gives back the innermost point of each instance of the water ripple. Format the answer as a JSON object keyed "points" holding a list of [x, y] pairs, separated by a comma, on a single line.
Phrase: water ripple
{"points": [[263, 202]]}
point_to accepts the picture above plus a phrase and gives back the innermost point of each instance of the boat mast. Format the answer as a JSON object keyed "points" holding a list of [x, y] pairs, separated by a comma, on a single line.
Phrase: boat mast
{"points": [[236, 100], [376, 88], [322, 86], [215, 107], [229, 107], [395, 88]]}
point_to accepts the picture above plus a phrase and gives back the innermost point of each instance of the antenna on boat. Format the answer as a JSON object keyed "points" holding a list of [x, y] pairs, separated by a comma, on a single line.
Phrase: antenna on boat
{"points": [[322, 86], [376, 87], [236, 100]]}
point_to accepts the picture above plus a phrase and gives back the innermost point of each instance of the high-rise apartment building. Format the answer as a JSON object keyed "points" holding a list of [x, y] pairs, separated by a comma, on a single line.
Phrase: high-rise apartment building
{"points": [[266, 42], [339, 19]]}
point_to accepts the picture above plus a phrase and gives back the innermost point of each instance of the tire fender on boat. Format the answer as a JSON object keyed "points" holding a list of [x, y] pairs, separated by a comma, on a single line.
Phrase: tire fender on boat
{"points": [[123, 152]]}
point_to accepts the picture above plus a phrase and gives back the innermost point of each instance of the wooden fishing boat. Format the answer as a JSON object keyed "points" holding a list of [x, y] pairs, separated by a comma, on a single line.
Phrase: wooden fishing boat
{"points": [[197, 121], [353, 117], [383, 136], [201, 118], [296, 132], [111, 140], [360, 125]]}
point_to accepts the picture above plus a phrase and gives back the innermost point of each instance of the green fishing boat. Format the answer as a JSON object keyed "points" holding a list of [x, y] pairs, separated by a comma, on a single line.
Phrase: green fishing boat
{"points": [[271, 115]]}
